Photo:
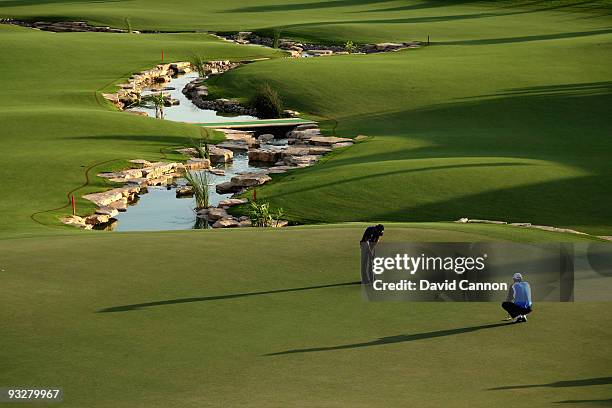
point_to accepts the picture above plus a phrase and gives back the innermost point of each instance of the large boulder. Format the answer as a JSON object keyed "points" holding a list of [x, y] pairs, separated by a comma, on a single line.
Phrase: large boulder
{"points": [[220, 155], [250, 179], [232, 201], [328, 140], [305, 134], [264, 155], [226, 223], [197, 164], [265, 138], [234, 145], [227, 188], [302, 161], [215, 214]]}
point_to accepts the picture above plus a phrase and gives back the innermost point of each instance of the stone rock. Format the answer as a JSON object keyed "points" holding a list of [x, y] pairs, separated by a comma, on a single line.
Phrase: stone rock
{"points": [[307, 126], [185, 191], [328, 140], [295, 151], [359, 138], [171, 102], [234, 145], [243, 218], [486, 222], [110, 211], [305, 134], [139, 163], [97, 219], [232, 201], [388, 46], [342, 144], [245, 223], [265, 138], [217, 172], [226, 223], [302, 161], [227, 187], [215, 213], [105, 198], [197, 164], [320, 53], [120, 205], [289, 112], [219, 155], [237, 135], [250, 179], [264, 155], [74, 220]]}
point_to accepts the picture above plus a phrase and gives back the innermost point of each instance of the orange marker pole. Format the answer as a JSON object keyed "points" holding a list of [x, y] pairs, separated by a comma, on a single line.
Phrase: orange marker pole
{"points": [[73, 205], [162, 55]]}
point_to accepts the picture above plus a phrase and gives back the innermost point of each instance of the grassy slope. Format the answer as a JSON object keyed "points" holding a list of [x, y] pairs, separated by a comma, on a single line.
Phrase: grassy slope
{"points": [[54, 125], [212, 352], [502, 133], [515, 129]]}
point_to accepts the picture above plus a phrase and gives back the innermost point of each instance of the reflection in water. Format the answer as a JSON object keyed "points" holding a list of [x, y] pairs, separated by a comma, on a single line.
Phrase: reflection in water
{"points": [[159, 209], [187, 111]]}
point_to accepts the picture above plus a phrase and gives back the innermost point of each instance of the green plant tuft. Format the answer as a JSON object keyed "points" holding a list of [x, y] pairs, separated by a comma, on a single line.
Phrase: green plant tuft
{"points": [[267, 102]]}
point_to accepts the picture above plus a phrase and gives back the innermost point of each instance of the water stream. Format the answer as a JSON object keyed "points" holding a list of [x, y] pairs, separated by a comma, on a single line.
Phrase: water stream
{"points": [[158, 208]]}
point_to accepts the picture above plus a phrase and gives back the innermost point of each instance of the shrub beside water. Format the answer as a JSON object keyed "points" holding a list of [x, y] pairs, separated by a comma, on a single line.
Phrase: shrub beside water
{"points": [[267, 102], [198, 64], [262, 216]]}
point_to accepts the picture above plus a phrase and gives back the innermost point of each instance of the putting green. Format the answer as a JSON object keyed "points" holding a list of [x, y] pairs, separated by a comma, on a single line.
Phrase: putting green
{"points": [[196, 318]]}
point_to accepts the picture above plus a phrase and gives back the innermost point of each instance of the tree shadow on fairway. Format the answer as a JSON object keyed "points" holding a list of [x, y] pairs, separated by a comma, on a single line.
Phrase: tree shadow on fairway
{"points": [[561, 384], [595, 402], [393, 339], [303, 6], [25, 3], [136, 306], [527, 38]]}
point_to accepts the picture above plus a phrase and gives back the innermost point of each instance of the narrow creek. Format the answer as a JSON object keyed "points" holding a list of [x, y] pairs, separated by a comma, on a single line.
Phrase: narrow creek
{"points": [[158, 207]]}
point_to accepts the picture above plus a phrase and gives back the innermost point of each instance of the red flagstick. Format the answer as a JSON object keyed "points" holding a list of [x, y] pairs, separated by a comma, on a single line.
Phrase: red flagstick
{"points": [[254, 194], [162, 55], [73, 205]]}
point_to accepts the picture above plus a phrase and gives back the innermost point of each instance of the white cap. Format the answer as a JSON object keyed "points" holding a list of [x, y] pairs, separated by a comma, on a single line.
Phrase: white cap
{"points": [[517, 276]]}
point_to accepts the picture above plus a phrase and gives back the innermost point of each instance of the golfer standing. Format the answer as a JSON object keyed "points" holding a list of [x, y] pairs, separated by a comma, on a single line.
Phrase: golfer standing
{"points": [[370, 238], [518, 301]]}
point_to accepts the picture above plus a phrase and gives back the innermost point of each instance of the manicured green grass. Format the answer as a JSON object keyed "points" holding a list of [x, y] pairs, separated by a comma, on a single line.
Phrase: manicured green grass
{"points": [[513, 129], [505, 117], [192, 319]]}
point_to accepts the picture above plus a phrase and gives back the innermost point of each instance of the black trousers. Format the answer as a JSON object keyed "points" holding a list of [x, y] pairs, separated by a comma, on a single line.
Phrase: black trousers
{"points": [[514, 310]]}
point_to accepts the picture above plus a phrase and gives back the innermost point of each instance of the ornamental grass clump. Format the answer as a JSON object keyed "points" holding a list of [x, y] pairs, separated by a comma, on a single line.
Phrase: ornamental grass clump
{"points": [[198, 180], [267, 102]]}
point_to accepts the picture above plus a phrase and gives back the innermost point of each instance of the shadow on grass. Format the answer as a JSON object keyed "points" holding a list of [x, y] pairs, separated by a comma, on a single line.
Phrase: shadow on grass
{"points": [[527, 38], [393, 339], [136, 306], [596, 402], [560, 384]]}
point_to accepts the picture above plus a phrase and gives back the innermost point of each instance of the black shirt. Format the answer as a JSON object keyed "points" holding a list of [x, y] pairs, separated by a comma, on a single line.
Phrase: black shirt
{"points": [[371, 234]]}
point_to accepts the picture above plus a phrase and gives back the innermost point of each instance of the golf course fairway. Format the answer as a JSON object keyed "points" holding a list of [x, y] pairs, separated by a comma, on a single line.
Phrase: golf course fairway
{"points": [[504, 115]]}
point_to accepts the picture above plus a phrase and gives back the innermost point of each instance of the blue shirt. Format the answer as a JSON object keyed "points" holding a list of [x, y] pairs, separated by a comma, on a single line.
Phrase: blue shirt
{"points": [[522, 294]]}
